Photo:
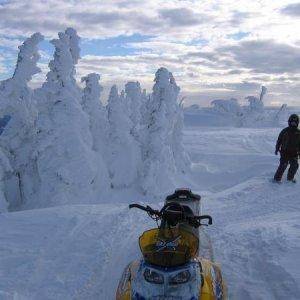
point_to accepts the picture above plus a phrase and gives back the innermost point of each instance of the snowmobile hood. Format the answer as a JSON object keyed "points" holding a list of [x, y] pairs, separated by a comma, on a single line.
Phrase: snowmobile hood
{"points": [[168, 247]]}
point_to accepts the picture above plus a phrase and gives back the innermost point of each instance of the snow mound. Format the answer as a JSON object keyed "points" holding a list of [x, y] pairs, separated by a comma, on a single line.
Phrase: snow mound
{"points": [[67, 252]]}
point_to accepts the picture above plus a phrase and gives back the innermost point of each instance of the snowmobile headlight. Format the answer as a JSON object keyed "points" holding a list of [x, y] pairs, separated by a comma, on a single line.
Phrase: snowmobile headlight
{"points": [[181, 277], [153, 277]]}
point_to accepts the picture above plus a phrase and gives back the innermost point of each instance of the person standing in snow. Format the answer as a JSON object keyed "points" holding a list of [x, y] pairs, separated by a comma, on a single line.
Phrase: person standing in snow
{"points": [[288, 144]]}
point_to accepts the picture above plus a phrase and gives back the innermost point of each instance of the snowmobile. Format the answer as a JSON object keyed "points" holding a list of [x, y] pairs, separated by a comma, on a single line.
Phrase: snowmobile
{"points": [[171, 267]]}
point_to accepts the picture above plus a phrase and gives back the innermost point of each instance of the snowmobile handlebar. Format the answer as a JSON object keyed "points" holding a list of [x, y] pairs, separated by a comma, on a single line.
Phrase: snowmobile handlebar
{"points": [[194, 221], [147, 209]]}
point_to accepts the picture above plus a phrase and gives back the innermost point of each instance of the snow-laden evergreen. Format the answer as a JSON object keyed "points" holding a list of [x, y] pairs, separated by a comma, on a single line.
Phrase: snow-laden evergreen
{"points": [[230, 106], [181, 158], [65, 161], [73, 146], [16, 102], [5, 174], [92, 105], [125, 155], [255, 114], [162, 143], [257, 104], [134, 101]]}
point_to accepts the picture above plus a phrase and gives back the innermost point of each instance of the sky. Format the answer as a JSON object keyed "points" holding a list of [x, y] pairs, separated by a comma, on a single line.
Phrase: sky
{"points": [[215, 49]]}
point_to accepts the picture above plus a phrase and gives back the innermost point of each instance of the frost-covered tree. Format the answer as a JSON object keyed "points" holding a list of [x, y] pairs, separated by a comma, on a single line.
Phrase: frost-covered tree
{"points": [[144, 108], [16, 102], [257, 104], [134, 101], [227, 107], [65, 161], [74, 40], [157, 155], [255, 114], [163, 154], [181, 158], [124, 157], [280, 115], [5, 173], [93, 106]]}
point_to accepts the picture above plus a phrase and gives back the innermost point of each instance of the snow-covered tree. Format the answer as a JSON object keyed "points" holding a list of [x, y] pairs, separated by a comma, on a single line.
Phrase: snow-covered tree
{"points": [[158, 160], [16, 102], [74, 40], [93, 106], [65, 160], [227, 107], [124, 157], [144, 109], [163, 154], [257, 104], [182, 160], [134, 101], [280, 115], [255, 114], [5, 173]]}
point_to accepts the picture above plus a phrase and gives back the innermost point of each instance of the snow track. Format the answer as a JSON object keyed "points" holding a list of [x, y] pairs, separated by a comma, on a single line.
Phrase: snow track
{"points": [[79, 251]]}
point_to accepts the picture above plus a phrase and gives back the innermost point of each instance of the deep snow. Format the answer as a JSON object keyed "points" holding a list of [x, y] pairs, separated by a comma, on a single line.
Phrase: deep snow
{"points": [[79, 251]]}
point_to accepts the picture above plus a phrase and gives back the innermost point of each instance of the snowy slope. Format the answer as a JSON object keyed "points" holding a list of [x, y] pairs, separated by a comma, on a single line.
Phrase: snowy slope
{"points": [[79, 251], [70, 252]]}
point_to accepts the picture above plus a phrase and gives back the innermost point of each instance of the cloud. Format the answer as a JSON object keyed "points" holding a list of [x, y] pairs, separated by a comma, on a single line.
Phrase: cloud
{"points": [[292, 10], [106, 19], [182, 17], [246, 43], [265, 56], [239, 17]]}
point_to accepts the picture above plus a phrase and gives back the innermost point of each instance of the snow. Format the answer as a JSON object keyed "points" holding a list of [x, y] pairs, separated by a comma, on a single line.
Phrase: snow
{"points": [[230, 112], [79, 251], [69, 167], [125, 154], [18, 108], [163, 153], [65, 162], [65, 147]]}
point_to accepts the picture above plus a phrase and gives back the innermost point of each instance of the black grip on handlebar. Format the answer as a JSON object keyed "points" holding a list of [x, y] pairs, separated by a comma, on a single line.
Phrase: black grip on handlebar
{"points": [[138, 206], [147, 208]]}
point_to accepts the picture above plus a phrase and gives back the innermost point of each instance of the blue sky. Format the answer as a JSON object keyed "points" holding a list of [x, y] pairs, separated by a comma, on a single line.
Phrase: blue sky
{"points": [[215, 49]]}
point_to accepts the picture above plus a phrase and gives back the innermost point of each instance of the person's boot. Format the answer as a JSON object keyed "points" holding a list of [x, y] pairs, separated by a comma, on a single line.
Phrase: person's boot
{"points": [[292, 180]]}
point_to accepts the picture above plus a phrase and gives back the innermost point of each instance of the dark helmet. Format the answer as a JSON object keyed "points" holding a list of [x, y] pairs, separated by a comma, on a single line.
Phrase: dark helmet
{"points": [[293, 120]]}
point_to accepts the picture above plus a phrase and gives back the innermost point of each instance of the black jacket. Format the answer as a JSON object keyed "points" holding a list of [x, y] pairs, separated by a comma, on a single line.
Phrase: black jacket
{"points": [[288, 142]]}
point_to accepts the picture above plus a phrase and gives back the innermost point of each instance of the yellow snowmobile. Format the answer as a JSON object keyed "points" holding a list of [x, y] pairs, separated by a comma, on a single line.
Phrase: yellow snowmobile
{"points": [[171, 267]]}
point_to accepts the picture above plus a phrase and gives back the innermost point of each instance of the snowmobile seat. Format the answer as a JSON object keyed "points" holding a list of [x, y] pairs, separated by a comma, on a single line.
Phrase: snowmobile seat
{"points": [[183, 194], [185, 197]]}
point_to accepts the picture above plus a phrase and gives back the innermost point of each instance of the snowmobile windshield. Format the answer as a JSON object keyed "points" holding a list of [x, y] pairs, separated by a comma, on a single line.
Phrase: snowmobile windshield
{"points": [[168, 247]]}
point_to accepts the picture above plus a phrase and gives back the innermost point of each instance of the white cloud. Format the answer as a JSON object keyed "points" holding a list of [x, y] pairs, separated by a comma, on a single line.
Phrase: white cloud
{"points": [[197, 40]]}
